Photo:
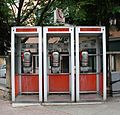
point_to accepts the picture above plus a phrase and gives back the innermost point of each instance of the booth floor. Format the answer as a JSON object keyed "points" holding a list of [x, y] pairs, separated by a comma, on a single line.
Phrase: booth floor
{"points": [[90, 97], [27, 98], [66, 98], [59, 98]]}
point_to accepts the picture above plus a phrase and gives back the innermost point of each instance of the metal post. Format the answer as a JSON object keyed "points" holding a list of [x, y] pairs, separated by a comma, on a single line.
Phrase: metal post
{"points": [[72, 64], [70, 77], [19, 63], [40, 64], [77, 65], [97, 63], [45, 63], [13, 64], [104, 64]]}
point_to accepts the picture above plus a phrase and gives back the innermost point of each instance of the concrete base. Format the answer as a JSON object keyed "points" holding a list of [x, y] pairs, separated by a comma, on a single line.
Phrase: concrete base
{"points": [[25, 104], [54, 104], [78, 103]]}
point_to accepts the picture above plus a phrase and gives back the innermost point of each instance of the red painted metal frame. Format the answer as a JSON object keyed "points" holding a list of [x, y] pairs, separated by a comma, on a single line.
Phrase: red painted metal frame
{"points": [[90, 29], [58, 29], [26, 29]]}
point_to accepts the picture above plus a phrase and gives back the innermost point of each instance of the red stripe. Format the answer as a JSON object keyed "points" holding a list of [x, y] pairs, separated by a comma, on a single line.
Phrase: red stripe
{"points": [[26, 29], [90, 29], [58, 29]]}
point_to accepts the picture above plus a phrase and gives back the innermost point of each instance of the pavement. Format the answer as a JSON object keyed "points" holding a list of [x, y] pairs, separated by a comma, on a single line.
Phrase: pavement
{"points": [[110, 107]]}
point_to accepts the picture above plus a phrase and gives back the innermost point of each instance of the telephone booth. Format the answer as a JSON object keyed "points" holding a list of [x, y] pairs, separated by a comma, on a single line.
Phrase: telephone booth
{"points": [[26, 64], [58, 51], [90, 64]]}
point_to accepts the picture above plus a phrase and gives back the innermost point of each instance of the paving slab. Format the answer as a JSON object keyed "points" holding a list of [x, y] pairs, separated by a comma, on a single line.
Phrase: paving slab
{"points": [[110, 107]]}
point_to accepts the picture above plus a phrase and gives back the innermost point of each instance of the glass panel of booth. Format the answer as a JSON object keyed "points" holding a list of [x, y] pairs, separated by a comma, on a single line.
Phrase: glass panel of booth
{"points": [[87, 56], [64, 63], [32, 47], [58, 54], [26, 65], [26, 49], [35, 64]]}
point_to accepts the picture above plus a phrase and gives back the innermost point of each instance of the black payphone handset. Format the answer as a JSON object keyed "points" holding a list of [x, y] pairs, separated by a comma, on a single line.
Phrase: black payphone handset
{"points": [[55, 59], [84, 58]]}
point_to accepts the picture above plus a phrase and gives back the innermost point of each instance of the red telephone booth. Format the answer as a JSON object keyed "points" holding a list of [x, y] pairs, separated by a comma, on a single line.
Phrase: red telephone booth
{"points": [[26, 50], [58, 57], [90, 63]]}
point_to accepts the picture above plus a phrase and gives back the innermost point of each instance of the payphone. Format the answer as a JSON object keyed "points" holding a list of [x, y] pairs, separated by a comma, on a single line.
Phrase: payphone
{"points": [[55, 62], [27, 61], [84, 58]]}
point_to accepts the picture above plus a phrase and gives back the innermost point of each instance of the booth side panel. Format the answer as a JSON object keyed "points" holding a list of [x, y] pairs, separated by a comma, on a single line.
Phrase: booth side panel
{"points": [[16, 85], [59, 83], [30, 83], [101, 83], [87, 82]]}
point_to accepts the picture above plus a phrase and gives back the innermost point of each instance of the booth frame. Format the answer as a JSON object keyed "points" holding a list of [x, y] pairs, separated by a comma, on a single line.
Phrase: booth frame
{"points": [[74, 41], [58, 29], [25, 31], [90, 30]]}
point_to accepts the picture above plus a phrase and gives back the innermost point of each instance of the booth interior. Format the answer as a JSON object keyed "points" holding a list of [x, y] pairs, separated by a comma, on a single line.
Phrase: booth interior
{"points": [[26, 74], [58, 64], [89, 72]]}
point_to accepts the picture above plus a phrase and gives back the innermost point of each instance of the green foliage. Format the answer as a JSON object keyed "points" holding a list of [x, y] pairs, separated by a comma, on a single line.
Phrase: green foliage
{"points": [[116, 10], [4, 9], [40, 12]]}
